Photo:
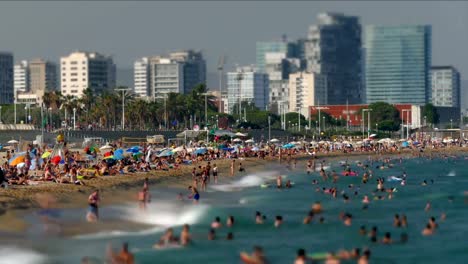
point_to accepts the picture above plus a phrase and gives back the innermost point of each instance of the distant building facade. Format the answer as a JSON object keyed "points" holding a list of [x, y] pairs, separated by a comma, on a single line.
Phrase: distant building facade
{"points": [[21, 77], [166, 76], [264, 47], [6, 78], [247, 85], [194, 68], [333, 49], [141, 77], [305, 90], [445, 84], [398, 60], [82, 70]]}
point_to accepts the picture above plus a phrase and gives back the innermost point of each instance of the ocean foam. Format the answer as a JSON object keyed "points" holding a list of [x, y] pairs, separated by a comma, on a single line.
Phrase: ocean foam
{"points": [[13, 255]]}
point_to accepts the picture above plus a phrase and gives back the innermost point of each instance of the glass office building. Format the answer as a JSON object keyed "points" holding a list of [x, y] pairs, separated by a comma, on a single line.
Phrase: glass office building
{"points": [[264, 47], [397, 64]]}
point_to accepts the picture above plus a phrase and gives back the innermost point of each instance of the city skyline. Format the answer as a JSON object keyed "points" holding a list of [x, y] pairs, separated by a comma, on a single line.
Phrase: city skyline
{"points": [[109, 27]]}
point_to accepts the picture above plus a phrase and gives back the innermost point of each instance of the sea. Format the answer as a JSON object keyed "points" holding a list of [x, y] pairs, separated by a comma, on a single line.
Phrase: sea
{"points": [[242, 196]]}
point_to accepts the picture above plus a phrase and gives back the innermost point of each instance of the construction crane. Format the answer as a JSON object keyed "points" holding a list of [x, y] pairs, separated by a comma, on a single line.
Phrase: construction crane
{"points": [[221, 63]]}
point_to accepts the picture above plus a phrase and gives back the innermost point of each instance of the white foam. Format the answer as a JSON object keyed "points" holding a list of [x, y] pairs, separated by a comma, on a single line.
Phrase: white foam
{"points": [[118, 233], [245, 182], [452, 174], [167, 214], [13, 255]]}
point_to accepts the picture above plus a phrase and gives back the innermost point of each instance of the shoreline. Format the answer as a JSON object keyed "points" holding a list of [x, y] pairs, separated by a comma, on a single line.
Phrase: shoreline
{"points": [[17, 202]]}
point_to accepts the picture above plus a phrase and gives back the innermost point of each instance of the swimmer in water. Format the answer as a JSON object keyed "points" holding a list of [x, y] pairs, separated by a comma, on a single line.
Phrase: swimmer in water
{"points": [[257, 257], [301, 257], [387, 239], [278, 221], [428, 206], [212, 234], [167, 238], [364, 259], [347, 221], [230, 221], [216, 223], [308, 218], [93, 212], [194, 195], [427, 231], [279, 182], [288, 184], [317, 208], [362, 230], [185, 237], [396, 221], [230, 236], [259, 218], [365, 200]]}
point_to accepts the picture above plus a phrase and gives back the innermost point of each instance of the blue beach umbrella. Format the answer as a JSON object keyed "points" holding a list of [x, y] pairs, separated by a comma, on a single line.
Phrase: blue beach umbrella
{"points": [[200, 151], [288, 146], [119, 154]]}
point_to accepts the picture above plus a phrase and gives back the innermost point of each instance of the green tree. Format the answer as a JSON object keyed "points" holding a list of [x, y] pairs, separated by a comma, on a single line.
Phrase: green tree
{"points": [[430, 112], [385, 115]]}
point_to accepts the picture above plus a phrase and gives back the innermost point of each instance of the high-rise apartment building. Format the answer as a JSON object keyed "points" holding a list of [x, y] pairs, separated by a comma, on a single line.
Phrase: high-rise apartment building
{"points": [[42, 76], [6, 78], [398, 61], [306, 89], [194, 68], [83, 70], [333, 49], [278, 67], [264, 47], [246, 85], [21, 77], [166, 76], [445, 83], [141, 77]]}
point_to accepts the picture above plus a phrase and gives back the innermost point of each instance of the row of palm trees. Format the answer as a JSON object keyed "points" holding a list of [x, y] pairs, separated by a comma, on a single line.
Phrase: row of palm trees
{"points": [[105, 110]]}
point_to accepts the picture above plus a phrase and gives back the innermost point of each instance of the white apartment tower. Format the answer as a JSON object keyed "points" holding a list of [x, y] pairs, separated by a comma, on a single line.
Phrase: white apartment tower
{"points": [[21, 77], [445, 86], [306, 89], [141, 77], [82, 70], [166, 76]]}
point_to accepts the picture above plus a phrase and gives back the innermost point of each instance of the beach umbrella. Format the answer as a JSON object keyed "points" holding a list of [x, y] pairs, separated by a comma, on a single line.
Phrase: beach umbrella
{"points": [[274, 140], [106, 147], [56, 160], [134, 149], [255, 149], [46, 154], [20, 165], [180, 148], [109, 157], [119, 154], [166, 153], [236, 140], [239, 134], [200, 151], [138, 154], [404, 144], [288, 146], [249, 141], [13, 142], [107, 154], [16, 160]]}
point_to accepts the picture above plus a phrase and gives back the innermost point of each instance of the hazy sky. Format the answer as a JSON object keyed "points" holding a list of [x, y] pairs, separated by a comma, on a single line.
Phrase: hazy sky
{"points": [[128, 30]]}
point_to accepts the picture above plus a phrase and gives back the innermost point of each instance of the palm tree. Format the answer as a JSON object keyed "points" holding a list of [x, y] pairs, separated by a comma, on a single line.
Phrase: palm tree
{"points": [[52, 99]]}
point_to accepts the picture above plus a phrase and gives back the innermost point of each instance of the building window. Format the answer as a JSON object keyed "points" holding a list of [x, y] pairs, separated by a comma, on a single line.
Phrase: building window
{"points": [[73, 62], [74, 91]]}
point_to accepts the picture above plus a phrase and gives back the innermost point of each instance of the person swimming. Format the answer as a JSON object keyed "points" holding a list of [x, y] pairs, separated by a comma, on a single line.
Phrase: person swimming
{"points": [[216, 223], [259, 218], [308, 218], [212, 234], [278, 221], [194, 195], [288, 184], [230, 221], [279, 182], [317, 208]]}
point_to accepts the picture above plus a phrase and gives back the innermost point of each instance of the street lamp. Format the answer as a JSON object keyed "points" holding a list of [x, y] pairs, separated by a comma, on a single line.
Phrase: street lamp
{"points": [[206, 108], [368, 110], [1, 114], [407, 120], [269, 128], [123, 90], [50, 118], [25, 114], [377, 127], [74, 118], [324, 123]]}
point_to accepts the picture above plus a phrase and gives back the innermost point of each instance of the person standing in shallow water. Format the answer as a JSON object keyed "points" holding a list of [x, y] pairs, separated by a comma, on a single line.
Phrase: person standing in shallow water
{"points": [[143, 195], [93, 211]]}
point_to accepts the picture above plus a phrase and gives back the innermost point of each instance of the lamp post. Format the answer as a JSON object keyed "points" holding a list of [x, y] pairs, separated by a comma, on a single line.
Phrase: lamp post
{"points": [[299, 118], [206, 108], [239, 81], [269, 128], [324, 127], [25, 114], [15, 107], [74, 118], [50, 118], [123, 90], [451, 123], [377, 127], [1, 114], [407, 111], [368, 121]]}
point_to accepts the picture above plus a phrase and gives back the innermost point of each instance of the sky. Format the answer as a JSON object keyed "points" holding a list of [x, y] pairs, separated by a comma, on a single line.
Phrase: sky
{"points": [[128, 30]]}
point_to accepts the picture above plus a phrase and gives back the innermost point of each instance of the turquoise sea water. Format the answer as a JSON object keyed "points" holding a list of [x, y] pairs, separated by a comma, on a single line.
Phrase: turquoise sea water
{"points": [[242, 197]]}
